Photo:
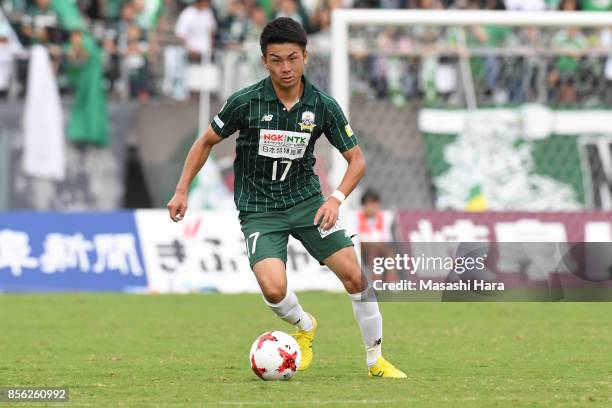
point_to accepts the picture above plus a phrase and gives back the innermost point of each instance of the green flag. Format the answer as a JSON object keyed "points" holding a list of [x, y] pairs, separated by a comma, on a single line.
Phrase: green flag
{"points": [[89, 119], [597, 5], [151, 13], [68, 12]]}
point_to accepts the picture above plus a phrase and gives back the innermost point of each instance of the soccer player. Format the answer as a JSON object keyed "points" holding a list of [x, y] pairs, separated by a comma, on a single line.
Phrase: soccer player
{"points": [[277, 193]]}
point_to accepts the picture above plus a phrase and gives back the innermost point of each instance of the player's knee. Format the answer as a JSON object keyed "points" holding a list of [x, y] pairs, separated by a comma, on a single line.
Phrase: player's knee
{"points": [[354, 282], [274, 294], [356, 286]]}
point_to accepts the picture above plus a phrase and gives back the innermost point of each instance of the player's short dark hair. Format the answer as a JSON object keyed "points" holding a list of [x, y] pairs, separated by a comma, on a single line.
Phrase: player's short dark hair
{"points": [[283, 30], [370, 195]]}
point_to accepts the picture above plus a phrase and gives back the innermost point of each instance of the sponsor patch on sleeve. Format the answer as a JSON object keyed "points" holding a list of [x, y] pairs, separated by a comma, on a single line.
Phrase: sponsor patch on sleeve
{"points": [[218, 121], [348, 130]]}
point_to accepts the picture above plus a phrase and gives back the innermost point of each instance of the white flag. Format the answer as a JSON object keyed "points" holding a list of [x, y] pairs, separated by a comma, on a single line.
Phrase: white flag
{"points": [[43, 120]]}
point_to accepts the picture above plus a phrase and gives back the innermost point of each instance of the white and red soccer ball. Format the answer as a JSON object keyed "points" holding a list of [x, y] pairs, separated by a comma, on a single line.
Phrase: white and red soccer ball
{"points": [[275, 355]]}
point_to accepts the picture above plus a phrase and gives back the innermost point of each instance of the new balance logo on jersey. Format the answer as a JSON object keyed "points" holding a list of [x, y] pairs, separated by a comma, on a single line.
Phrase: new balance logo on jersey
{"points": [[266, 118]]}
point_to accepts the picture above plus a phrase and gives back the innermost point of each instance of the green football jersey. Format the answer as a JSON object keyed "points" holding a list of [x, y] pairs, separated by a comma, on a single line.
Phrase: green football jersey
{"points": [[274, 165]]}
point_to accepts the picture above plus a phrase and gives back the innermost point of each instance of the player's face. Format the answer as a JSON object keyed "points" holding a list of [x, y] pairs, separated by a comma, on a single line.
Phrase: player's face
{"points": [[285, 63]]}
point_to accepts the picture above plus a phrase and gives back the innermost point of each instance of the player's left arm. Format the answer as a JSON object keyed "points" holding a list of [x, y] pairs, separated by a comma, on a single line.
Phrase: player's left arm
{"points": [[339, 133], [328, 213]]}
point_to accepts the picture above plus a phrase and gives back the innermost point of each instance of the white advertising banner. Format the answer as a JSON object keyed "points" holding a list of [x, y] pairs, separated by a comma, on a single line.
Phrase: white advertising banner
{"points": [[206, 252]]}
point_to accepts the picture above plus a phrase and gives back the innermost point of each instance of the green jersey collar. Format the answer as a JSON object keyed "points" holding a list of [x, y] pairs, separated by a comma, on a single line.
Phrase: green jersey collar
{"points": [[307, 98]]}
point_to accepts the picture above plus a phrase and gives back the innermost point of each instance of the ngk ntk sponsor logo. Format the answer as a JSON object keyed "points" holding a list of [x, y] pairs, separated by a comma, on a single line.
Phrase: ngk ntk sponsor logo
{"points": [[282, 143]]}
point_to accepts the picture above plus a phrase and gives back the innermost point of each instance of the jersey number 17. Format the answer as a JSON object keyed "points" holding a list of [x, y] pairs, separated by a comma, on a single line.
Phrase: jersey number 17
{"points": [[287, 164]]}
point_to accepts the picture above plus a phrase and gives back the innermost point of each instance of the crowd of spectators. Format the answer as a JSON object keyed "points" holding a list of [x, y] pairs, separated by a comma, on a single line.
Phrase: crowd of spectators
{"points": [[144, 40], [555, 65]]}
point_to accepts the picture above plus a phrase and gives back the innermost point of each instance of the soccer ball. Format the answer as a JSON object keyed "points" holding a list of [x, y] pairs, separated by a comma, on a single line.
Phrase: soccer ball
{"points": [[275, 356]]}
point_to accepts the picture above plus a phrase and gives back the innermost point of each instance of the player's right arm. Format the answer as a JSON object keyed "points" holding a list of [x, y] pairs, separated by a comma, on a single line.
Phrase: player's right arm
{"points": [[197, 156], [224, 124]]}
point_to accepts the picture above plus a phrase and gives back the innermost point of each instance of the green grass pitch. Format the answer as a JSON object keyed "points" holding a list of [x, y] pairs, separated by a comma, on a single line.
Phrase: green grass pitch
{"points": [[128, 350]]}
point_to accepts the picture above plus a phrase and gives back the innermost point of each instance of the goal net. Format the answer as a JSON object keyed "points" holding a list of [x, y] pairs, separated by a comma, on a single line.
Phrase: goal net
{"points": [[478, 110]]}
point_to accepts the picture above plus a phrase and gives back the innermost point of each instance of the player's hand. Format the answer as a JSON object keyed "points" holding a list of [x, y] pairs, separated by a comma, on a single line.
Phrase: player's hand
{"points": [[177, 206], [328, 214]]}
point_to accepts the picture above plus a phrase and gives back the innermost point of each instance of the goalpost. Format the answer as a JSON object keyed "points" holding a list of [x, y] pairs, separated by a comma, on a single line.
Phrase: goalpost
{"points": [[344, 19]]}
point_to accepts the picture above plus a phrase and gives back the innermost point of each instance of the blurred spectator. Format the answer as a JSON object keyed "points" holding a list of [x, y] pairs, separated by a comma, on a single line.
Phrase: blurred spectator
{"points": [[235, 65], [14, 7], [251, 5], [365, 3], [40, 24], [390, 71], [393, 4], [606, 42], [321, 26], [563, 76], [136, 65], [112, 59], [490, 67], [88, 122], [8, 50], [173, 56], [90, 9], [390, 74], [293, 10], [147, 12], [196, 26], [527, 74], [526, 5], [320, 41], [168, 13], [128, 19], [375, 226], [111, 9], [268, 7], [259, 20], [76, 56], [565, 71], [236, 24], [140, 14], [569, 5], [173, 82], [76, 53], [114, 43], [437, 75]]}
